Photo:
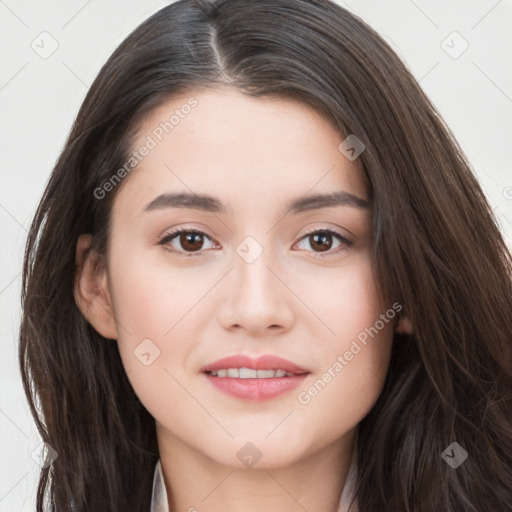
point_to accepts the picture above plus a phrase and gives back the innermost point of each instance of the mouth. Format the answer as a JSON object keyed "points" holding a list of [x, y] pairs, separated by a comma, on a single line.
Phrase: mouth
{"points": [[251, 373], [254, 379]]}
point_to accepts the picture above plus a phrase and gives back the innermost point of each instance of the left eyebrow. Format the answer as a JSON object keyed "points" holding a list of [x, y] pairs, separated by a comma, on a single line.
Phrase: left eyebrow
{"points": [[317, 201], [208, 203]]}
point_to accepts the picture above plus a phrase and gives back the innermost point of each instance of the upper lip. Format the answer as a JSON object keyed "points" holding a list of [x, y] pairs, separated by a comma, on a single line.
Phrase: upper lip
{"points": [[266, 362]]}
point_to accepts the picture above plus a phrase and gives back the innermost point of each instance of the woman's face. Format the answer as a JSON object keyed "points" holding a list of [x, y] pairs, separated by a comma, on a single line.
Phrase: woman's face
{"points": [[260, 279]]}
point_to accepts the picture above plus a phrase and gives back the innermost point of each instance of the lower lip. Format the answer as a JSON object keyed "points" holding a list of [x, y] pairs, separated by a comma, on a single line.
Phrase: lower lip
{"points": [[256, 389]]}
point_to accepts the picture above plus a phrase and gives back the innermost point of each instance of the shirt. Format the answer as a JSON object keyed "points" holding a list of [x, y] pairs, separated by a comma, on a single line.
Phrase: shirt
{"points": [[159, 501]]}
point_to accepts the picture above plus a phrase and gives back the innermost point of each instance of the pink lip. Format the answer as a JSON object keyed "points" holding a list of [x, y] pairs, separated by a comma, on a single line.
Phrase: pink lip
{"points": [[255, 389], [268, 362]]}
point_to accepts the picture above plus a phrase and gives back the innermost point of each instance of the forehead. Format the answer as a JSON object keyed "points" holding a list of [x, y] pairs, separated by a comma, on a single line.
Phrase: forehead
{"points": [[240, 148]]}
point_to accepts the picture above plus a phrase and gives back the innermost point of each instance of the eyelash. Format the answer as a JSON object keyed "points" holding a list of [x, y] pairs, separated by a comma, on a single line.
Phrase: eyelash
{"points": [[170, 236]]}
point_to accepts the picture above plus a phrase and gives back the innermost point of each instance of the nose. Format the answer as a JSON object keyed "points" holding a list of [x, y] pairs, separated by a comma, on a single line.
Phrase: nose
{"points": [[257, 297]]}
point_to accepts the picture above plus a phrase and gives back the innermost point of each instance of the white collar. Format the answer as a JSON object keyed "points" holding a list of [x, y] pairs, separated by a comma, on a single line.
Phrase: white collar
{"points": [[159, 501]]}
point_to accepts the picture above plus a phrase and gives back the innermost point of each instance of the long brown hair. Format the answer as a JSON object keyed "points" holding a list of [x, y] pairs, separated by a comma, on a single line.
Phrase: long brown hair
{"points": [[436, 246]]}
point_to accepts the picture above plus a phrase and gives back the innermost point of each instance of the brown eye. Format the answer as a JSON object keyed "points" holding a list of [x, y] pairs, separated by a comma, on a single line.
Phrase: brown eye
{"points": [[321, 241], [188, 240], [191, 241]]}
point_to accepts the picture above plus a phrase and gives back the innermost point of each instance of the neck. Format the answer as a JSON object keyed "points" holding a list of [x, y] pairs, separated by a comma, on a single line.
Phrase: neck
{"points": [[196, 482]]}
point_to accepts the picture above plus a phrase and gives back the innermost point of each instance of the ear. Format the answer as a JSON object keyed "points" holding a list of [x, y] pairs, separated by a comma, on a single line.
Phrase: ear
{"points": [[404, 326], [91, 289]]}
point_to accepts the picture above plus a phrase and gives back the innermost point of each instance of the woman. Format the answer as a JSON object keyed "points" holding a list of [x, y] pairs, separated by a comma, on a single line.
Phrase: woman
{"points": [[222, 150]]}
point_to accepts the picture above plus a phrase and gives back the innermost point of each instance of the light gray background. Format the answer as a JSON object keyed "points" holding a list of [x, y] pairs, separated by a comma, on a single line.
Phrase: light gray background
{"points": [[39, 98]]}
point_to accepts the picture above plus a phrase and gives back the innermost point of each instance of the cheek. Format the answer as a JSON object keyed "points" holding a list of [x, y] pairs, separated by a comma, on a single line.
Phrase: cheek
{"points": [[162, 308], [151, 306], [354, 350], [154, 297], [343, 302], [147, 297]]}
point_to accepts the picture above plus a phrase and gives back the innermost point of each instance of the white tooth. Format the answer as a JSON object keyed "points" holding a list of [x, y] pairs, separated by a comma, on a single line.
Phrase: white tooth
{"points": [[248, 373], [266, 374]]}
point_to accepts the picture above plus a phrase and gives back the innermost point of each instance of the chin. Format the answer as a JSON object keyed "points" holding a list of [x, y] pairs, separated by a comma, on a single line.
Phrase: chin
{"points": [[256, 452]]}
